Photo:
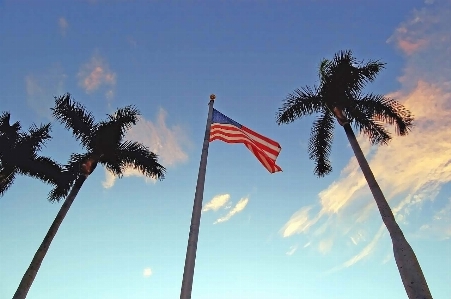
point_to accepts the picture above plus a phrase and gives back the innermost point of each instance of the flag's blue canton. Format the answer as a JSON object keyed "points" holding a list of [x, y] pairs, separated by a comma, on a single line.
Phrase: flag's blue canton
{"points": [[220, 118]]}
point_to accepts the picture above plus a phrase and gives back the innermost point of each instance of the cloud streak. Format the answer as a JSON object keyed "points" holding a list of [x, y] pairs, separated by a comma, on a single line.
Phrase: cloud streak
{"points": [[241, 204], [298, 223], [216, 203], [292, 250]]}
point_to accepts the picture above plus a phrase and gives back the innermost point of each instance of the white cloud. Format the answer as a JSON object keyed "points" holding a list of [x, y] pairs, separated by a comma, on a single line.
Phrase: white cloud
{"points": [[147, 272], [298, 223], [292, 250], [238, 208], [216, 203], [166, 142], [410, 170], [110, 178], [63, 25], [96, 74]]}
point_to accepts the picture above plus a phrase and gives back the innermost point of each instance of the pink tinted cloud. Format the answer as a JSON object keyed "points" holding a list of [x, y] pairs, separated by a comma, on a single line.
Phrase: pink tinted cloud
{"points": [[423, 29], [410, 47], [95, 74], [63, 25]]}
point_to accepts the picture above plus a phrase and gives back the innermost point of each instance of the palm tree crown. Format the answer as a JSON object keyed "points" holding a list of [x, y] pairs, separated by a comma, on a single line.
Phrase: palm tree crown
{"points": [[340, 95], [103, 142], [19, 153]]}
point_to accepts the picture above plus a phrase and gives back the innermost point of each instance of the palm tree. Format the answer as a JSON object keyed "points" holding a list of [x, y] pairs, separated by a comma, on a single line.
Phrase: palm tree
{"points": [[104, 144], [19, 153], [339, 96]]}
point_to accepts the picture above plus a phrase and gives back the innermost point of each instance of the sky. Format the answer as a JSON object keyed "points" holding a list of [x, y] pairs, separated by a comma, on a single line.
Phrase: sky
{"points": [[284, 235]]}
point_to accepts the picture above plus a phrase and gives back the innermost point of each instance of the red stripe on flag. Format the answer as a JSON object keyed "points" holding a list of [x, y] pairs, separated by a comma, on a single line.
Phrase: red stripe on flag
{"points": [[264, 149]]}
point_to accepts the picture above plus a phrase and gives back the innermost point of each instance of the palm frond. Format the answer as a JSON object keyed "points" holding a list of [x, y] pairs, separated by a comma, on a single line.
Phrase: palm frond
{"points": [[124, 118], [69, 174], [75, 117], [324, 65], [109, 133], [386, 110], [344, 73], [114, 167], [320, 143], [371, 128], [9, 134], [301, 102], [7, 176], [35, 138], [107, 136], [42, 168], [137, 156], [4, 119], [5, 127]]}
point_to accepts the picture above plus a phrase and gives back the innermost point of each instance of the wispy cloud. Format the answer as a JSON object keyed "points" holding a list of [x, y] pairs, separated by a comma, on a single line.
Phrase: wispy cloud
{"points": [[409, 47], [41, 88], [367, 250], [96, 74], [167, 142], [216, 203], [242, 203], [440, 225], [298, 223], [147, 272], [63, 25], [292, 250], [412, 169]]}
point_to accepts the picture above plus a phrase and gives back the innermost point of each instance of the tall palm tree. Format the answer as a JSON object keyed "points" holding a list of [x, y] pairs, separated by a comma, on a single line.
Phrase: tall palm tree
{"points": [[104, 144], [19, 153], [339, 97]]}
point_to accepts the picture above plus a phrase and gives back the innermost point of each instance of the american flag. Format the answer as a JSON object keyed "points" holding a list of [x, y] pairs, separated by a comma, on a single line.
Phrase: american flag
{"points": [[226, 129]]}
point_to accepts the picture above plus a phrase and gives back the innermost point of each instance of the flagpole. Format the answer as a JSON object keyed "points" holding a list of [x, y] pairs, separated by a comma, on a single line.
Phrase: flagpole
{"points": [[190, 259]]}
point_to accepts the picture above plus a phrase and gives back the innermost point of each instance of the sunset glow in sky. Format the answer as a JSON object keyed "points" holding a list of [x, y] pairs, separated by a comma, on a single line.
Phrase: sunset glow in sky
{"points": [[284, 235]]}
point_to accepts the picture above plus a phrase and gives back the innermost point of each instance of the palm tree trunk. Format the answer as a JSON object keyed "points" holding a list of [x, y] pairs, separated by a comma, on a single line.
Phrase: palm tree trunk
{"points": [[408, 266], [32, 271]]}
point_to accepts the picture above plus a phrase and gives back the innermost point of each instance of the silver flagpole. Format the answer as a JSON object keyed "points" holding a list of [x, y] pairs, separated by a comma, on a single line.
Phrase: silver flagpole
{"points": [[190, 259]]}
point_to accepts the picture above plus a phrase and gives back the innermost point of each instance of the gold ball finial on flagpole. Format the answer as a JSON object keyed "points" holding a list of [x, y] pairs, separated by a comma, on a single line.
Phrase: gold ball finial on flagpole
{"points": [[212, 97]]}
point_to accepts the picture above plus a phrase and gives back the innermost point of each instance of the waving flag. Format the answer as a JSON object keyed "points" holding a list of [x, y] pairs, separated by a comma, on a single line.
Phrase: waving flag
{"points": [[225, 129]]}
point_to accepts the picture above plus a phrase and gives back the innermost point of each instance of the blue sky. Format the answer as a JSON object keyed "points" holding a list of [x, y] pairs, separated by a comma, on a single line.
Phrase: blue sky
{"points": [[283, 235]]}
